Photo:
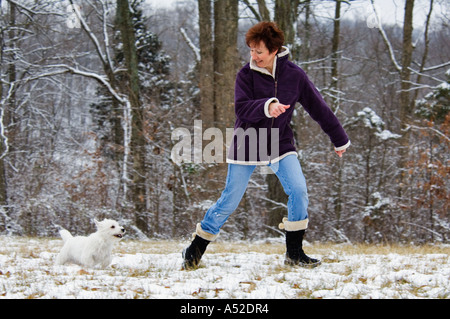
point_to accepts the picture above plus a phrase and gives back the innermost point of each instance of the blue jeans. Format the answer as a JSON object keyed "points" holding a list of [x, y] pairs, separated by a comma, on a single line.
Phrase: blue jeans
{"points": [[288, 171]]}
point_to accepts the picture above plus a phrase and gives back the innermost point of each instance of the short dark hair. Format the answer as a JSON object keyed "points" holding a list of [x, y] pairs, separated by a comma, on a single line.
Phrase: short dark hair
{"points": [[268, 32]]}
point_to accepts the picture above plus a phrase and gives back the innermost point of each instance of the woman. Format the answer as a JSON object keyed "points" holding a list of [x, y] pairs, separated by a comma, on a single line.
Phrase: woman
{"points": [[266, 91]]}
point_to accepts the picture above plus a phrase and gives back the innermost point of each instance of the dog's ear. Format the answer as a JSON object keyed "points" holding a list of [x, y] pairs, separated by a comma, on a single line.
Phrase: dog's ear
{"points": [[97, 223]]}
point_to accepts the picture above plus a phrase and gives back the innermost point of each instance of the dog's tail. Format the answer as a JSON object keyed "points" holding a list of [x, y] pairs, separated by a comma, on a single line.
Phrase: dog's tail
{"points": [[65, 234]]}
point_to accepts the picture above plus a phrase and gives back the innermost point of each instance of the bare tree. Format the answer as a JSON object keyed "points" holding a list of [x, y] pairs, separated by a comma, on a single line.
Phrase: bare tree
{"points": [[206, 65], [137, 142], [225, 60]]}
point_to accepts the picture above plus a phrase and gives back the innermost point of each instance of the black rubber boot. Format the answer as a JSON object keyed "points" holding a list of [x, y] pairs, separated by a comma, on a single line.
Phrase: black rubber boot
{"points": [[295, 256], [194, 253]]}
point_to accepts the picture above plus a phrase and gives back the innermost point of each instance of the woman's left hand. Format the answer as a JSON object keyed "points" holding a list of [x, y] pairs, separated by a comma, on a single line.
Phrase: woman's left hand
{"points": [[339, 153]]}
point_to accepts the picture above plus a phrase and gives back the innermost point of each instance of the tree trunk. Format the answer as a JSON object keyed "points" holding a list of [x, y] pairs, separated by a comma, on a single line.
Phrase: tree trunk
{"points": [[263, 11], [407, 49], [137, 143], [336, 167], [5, 116], [286, 18], [306, 43], [405, 103], [206, 67], [285, 15], [335, 56], [225, 60]]}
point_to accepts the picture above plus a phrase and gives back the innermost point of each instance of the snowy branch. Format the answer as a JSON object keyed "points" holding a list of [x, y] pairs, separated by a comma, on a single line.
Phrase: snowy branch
{"points": [[90, 33], [429, 128], [68, 69], [432, 68], [33, 12], [191, 45], [441, 238], [2, 126], [275, 202], [397, 66], [426, 75], [386, 40], [105, 35]]}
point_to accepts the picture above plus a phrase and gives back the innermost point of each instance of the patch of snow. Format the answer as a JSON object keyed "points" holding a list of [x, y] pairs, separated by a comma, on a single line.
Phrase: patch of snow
{"points": [[386, 135], [27, 270]]}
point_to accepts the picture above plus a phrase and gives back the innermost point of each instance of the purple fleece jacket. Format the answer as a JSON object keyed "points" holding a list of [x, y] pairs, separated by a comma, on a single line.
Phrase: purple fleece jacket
{"points": [[260, 139]]}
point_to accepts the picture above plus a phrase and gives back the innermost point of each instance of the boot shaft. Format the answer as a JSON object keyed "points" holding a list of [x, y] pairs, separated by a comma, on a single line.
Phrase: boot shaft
{"points": [[294, 250], [193, 254], [294, 243]]}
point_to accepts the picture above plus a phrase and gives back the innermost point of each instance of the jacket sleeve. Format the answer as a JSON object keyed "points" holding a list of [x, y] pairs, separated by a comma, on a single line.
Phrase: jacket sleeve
{"points": [[247, 108], [314, 104]]}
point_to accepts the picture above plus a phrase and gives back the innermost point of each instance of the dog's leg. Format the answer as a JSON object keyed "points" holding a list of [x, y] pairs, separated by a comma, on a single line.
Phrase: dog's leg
{"points": [[106, 262], [60, 260], [90, 262], [87, 260]]}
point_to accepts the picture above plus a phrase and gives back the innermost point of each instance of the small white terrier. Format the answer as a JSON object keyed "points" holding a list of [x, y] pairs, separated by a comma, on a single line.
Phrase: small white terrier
{"points": [[91, 250]]}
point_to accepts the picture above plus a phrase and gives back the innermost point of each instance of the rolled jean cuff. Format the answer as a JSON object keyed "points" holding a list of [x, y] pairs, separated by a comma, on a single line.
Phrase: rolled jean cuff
{"points": [[293, 226], [203, 234]]}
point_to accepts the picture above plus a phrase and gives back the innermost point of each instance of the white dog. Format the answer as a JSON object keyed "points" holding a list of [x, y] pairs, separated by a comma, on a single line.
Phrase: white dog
{"points": [[94, 249]]}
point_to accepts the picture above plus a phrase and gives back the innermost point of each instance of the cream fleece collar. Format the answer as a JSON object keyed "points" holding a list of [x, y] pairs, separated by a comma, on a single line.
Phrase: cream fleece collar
{"points": [[253, 66]]}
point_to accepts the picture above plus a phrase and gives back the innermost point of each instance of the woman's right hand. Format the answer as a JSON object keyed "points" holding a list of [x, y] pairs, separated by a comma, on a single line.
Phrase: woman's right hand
{"points": [[276, 109]]}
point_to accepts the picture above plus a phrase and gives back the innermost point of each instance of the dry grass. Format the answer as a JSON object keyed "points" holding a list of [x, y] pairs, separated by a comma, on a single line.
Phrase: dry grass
{"points": [[26, 247], [163, 247], [151, 269], [382, 249]]}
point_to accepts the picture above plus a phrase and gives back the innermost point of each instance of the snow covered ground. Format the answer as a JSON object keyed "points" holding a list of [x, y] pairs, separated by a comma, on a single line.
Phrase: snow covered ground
{"points": [[152, 269]]}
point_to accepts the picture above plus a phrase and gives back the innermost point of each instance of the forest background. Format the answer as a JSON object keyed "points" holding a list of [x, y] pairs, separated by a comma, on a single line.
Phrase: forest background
{"points": [[91, 92]]}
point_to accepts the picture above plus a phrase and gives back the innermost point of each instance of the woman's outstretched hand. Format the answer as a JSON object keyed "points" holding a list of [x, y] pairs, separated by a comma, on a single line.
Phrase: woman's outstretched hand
{"points": [[276, 109], [339, 153]]}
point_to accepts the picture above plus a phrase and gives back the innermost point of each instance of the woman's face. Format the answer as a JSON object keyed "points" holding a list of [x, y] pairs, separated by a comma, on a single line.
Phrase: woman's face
{"points": [[261, 55]]}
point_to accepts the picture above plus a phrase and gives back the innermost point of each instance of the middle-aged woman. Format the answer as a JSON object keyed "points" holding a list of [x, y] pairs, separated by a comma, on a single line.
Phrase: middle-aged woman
{"points": [[266, 91]]}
